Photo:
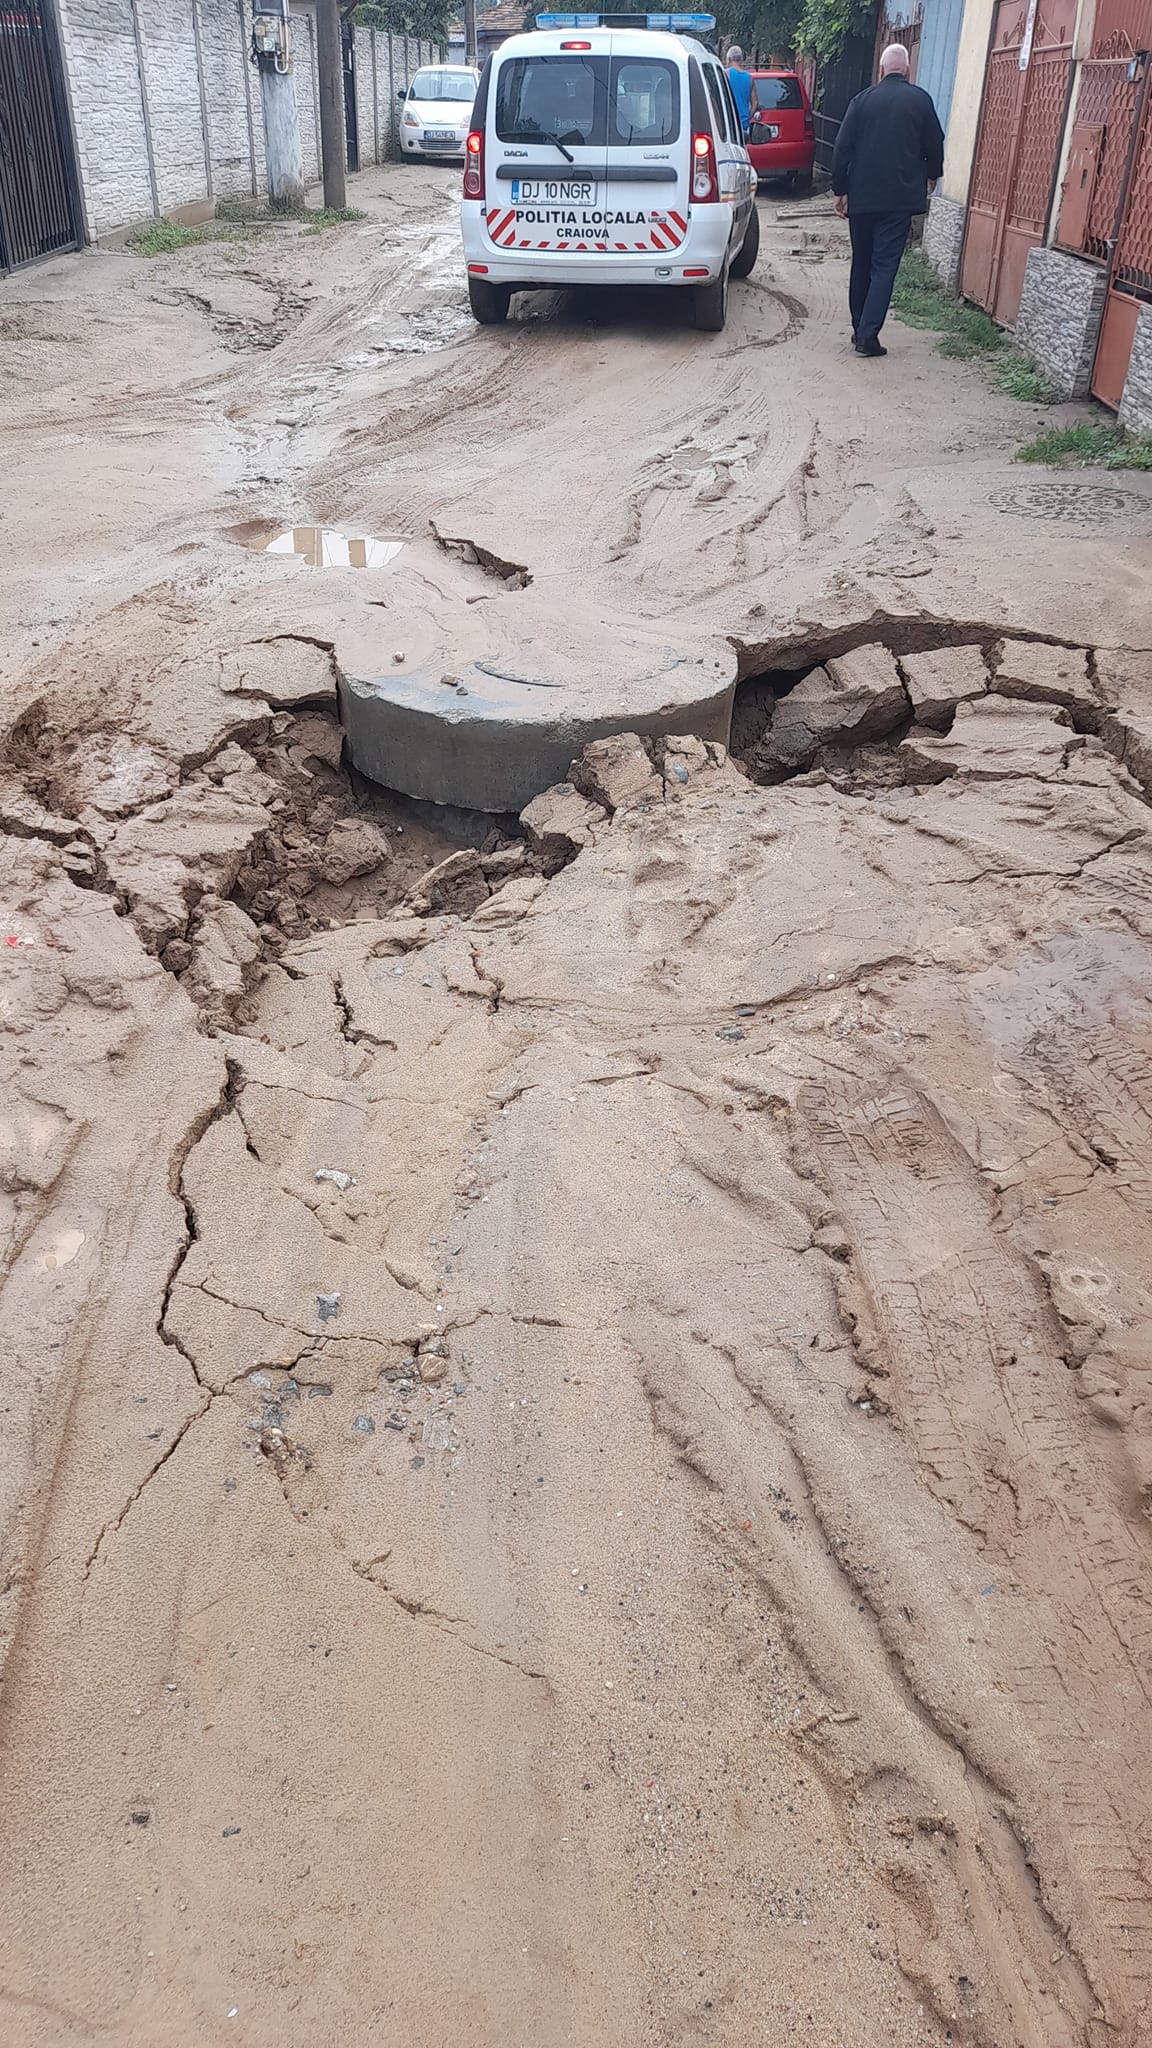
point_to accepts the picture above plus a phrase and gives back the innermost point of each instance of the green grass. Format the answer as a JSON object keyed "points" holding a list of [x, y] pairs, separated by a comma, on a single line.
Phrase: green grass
{"points": [[1099, 442], [236, 220], [1018, 378], [918, 296], [965, 332], [331, 216], [162, 237], [254, 213], [971, 333]]}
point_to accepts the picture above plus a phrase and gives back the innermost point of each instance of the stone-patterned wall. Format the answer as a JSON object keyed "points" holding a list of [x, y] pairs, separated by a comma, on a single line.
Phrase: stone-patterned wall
{"points": [[166, 105], [944, 238], [234, 122], [168, 48], [1061, 307], [307, 79], [102, 65], [1136, 401]]}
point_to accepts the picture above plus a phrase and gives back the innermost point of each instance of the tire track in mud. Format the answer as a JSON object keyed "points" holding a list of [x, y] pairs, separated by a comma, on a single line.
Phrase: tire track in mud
{"points": [[970, 1356]]}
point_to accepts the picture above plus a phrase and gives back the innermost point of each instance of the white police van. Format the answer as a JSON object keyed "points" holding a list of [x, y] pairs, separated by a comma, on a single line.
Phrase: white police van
{"points": [[607, 149]]}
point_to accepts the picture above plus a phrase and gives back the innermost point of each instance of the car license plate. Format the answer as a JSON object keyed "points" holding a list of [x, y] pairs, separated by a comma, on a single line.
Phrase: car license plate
{"points": [[562, 189], [439, 135]]}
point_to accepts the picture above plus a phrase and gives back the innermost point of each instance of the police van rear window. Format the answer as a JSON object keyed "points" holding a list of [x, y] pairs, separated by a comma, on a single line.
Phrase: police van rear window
{"points": [[589, 102]]}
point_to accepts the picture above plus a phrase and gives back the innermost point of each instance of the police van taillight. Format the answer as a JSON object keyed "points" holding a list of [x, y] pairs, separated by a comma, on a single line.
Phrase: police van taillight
{"points": [[474, 165], [704, 186]]}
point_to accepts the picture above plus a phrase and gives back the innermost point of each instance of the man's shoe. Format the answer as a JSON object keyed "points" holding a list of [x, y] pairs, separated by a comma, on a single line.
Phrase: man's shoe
{"points": [[870, 348]]}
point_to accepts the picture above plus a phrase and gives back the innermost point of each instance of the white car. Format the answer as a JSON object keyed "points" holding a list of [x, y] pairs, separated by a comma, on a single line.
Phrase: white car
{"points": [[602, 155], [437, 111]]}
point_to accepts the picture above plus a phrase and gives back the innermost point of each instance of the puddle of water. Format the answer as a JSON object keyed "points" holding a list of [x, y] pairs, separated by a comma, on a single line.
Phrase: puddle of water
{"points": [[322, 547]]}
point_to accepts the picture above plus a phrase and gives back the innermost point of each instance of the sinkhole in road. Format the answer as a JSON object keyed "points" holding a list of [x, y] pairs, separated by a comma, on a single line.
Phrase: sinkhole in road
{"points": [[225, 862]]}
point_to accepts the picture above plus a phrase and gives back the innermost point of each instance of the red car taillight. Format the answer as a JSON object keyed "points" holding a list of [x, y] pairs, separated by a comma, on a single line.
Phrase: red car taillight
{"points": [[474, 165], [809, 125], [704, 184]]}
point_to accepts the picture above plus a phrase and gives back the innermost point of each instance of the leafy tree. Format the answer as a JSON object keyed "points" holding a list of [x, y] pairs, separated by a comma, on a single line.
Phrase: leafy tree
{"points": [[826, 25], [428, 19], [783, 28], [763, 28]]}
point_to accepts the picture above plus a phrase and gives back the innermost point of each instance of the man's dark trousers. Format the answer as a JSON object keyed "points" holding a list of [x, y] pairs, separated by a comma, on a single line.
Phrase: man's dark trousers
{"points": [[878, 243]]}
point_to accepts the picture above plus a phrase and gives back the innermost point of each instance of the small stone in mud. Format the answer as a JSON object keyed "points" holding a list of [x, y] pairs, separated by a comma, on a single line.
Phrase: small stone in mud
{"points": [[230, 1831], [354, 846], [229, 1486], [327, 1306], [319, 1392], [732, 1031], [338, 1178], [141, 1817], [364, 1425]]}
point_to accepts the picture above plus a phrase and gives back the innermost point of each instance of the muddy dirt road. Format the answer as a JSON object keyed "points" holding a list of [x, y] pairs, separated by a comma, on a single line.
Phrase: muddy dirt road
{"points": [[577, 1454]]}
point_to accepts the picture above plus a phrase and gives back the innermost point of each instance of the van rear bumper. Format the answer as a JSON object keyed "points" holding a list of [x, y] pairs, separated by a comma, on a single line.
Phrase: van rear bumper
{"points": [[705, 247]]}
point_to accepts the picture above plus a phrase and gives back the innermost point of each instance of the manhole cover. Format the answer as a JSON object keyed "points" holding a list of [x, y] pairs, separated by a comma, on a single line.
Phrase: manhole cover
{"points": [[1085, 503]]}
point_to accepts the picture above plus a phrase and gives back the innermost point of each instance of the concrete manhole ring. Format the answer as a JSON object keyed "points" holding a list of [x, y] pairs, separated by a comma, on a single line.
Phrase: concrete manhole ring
{"points": [[1088, 504]]}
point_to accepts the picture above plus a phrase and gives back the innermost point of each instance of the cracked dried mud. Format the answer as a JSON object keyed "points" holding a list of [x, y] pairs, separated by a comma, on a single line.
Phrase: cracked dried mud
{"points": [[577, 1454]]}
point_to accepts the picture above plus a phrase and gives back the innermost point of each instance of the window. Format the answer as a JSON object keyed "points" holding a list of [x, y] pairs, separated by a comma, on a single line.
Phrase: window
{"points": [[645, 101], [735, 125], [556, 99], [443, 85], [778, 95], [716, 82]]}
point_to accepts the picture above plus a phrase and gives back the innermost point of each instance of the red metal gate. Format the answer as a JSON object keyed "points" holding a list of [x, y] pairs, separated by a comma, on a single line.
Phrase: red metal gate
{"points": [[1106, 206], [1022, 118]]}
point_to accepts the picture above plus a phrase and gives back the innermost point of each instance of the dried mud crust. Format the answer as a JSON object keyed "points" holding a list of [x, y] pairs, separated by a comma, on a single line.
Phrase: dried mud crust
{"points": [[681, 1269]]}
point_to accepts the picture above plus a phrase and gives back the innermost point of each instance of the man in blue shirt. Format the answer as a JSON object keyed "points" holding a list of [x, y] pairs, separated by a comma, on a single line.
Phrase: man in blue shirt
{"points": [[743, 90]]}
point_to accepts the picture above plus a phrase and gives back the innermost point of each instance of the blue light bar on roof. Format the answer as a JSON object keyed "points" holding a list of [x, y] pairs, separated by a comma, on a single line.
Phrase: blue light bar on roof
{"points": [[685, 24]]}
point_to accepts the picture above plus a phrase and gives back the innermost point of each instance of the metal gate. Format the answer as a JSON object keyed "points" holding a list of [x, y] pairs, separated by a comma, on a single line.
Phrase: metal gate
{"points": [[39, 202], [1106, 205], [1130, 281], [1026, 87]]}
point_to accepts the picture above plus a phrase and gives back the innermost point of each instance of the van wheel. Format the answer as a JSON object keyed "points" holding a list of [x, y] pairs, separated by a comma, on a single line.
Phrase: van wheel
{"points": [[800, 181], [489, 302], [710, 303], [749, 247]]}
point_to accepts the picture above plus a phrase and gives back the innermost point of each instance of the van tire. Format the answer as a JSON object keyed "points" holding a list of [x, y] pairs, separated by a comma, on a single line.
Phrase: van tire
{"points": [[745, 262], [489, 302], [800, 181], [710, 303]]}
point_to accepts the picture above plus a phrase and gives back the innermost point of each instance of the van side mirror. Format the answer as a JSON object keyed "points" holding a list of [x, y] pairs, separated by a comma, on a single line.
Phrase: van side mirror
{"points": [[403, 93]]}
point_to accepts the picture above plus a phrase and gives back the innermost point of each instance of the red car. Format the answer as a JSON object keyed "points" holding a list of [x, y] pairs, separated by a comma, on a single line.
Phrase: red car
{"points": [[782, 138]]}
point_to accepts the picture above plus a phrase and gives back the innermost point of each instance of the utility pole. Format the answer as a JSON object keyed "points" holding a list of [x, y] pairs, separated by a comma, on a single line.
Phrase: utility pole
{"points": [[283, 153], [470, 31], [330, 62]]}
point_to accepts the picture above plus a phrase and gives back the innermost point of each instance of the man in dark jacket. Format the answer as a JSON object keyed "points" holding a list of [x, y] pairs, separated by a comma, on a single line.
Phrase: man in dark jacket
{"points": [[889, 154]]}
